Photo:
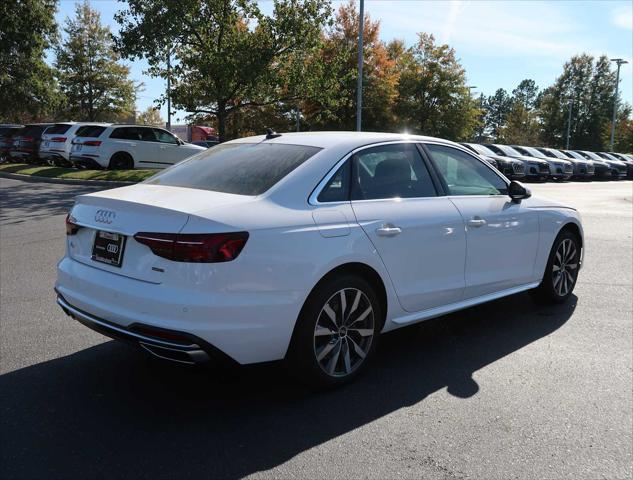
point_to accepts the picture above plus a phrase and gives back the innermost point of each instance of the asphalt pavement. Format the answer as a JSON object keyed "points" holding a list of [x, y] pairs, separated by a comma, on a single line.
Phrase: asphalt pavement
{"points": [[503, 390]]}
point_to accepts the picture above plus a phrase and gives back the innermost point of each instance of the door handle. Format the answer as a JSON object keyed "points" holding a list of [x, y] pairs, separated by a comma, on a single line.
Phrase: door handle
{"points": [[476, 222], [388, 230]]}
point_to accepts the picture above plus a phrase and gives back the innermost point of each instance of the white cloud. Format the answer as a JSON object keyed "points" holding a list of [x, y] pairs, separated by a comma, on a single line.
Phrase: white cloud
{"points": [[623, 17]]}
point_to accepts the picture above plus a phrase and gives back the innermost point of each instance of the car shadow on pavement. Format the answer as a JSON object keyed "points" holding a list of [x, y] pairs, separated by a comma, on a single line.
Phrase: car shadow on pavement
{"points": [[26, 200], [108, 411]]}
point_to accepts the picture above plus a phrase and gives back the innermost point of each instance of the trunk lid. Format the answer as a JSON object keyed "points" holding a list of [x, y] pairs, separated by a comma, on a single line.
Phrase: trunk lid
{"points": [[141, 208]]}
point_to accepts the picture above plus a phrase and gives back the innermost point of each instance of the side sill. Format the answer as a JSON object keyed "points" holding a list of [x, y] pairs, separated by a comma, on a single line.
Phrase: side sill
{"points": [[453, 307]]}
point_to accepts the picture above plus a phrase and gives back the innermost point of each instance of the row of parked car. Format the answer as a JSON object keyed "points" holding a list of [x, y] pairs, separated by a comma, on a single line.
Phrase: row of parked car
{"points": [[542, 164], [94, 145], [119, 146]]}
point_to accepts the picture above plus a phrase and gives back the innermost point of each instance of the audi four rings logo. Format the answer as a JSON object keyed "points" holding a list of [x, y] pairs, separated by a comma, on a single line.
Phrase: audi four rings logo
{"points": [[105, 216]]}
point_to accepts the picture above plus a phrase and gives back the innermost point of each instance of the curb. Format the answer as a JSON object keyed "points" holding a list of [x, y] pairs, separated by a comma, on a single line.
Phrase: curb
{"points": [[66, 181]]}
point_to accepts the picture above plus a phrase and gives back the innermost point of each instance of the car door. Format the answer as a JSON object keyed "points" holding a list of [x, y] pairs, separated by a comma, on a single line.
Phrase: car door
{"points": [[170, 149], [501, 235], [418, 234]]}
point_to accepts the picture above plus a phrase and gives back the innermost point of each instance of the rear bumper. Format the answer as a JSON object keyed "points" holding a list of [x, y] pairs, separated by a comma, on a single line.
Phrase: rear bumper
{"points": [[186, 348], [246, 326]]}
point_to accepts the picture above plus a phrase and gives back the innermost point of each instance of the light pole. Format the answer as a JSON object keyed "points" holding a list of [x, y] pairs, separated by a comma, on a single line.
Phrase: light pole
{"points": [[571, 105], [168, 91], [619, 62], [359, 84]]}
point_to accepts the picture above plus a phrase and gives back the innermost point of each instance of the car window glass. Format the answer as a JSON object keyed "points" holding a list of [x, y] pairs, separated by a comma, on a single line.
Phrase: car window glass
{"points": [[238, 168], [147, 134], [58, 129], [164, 136], [90, 131], [390, 171], [465, 174], [337, 188]]}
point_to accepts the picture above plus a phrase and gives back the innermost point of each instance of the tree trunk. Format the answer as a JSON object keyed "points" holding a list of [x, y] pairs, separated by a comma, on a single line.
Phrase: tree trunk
{"points": [[222, 114]]}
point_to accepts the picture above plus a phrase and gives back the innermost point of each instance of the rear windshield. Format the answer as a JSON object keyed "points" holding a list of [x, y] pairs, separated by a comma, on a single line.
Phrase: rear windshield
{"points": [[58, 129], [238, 168], [508, 150], [90, 131]]}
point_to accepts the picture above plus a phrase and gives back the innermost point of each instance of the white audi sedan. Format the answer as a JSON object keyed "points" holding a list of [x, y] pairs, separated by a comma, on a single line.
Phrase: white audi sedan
{"points": [[306, 246]]}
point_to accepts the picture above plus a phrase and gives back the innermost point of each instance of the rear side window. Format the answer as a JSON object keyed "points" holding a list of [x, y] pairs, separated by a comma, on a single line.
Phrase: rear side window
{"points": [[238, 168], [57, 129], [337, 188], [126, 133], [9, 130], [390, 171], [90, 131]]}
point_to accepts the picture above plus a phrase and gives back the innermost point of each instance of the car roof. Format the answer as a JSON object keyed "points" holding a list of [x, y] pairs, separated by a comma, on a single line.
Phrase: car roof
{"points": [[340, 139]]}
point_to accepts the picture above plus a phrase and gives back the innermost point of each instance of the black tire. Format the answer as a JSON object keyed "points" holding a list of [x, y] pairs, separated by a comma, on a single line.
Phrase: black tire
{"points": [[557, 288], [308, 343], [121, 161]]}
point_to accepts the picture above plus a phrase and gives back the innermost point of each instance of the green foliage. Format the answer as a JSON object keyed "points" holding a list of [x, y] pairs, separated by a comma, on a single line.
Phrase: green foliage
{"points": [[28, 91], [498, 107], [590, 84], [95, 85], [151, 116], [433, 98], [227, 55], [337, 110]]}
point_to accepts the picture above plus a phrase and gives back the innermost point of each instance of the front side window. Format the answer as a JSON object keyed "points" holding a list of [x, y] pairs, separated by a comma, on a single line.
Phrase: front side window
{"points": [[390, 171], [164, 136], [465, 174], [237, 168]]}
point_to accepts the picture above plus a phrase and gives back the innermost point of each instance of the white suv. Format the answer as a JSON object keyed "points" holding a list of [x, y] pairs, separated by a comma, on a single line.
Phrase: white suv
{"points": [[57, 141], [128, 146]]}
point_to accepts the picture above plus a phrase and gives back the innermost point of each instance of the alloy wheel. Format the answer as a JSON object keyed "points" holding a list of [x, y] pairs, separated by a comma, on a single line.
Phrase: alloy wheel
{"points": [[344, 332], [565, 267]]}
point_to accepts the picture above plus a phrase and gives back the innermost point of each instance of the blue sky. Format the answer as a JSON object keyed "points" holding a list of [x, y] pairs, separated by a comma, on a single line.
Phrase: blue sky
{"points": [[499, 42]]}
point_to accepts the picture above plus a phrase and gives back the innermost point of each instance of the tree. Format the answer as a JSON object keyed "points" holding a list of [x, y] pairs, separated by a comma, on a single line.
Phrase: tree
{"points": [[27, 84], [96, 86], [526, 93], [521, 126], [151, 116], [433, 98], [497, 107], [226, 55], [340, 52], [623, 138], [590, 86]]}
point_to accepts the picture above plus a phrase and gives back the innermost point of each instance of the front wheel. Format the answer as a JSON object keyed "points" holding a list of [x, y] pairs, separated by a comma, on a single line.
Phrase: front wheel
{"points": [[336, 332], [561, 271]]}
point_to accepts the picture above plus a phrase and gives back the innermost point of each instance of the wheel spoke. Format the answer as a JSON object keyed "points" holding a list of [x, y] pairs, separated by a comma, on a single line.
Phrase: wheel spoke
{"points": [[571, 253], [558, 257], [556, 268], [359, 351], [331, 366], [343, 306], [363, 332], [572, 265], [362, 316], [321, 331], [356, 302], [330, 313], [327, 349], [346, 359]]}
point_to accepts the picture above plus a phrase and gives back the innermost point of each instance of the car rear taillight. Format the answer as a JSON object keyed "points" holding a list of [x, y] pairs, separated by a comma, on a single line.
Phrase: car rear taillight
{"points": [[27, 139], [71, 227], [92, 143], [58, 139], [195, 247]]}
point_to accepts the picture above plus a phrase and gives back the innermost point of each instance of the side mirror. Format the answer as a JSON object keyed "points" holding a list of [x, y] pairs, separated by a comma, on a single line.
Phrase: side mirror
{"points": [[518, 192]]}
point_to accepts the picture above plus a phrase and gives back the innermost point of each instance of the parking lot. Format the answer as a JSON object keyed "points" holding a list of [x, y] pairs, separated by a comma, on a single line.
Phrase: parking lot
{"points": [[503, 390]]}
